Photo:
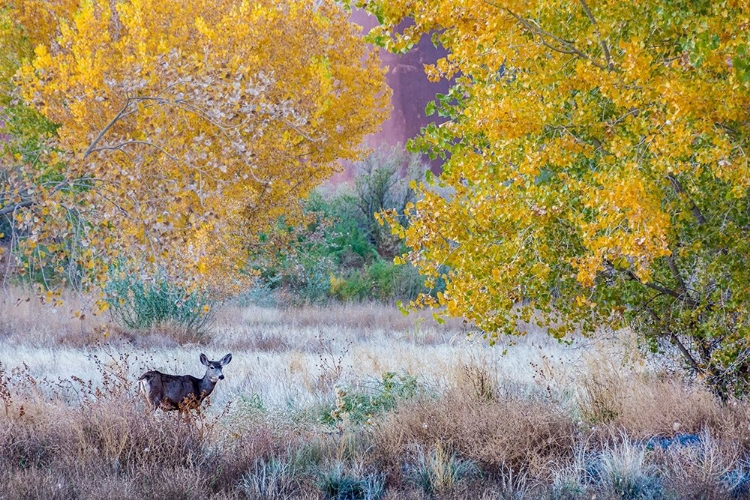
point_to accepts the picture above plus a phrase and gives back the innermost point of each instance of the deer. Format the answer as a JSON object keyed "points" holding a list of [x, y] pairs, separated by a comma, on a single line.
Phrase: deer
{"points": [[181, 392]]}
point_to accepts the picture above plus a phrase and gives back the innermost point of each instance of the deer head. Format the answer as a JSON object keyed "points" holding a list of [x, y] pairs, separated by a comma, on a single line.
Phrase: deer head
{"points": [[214, 368]]}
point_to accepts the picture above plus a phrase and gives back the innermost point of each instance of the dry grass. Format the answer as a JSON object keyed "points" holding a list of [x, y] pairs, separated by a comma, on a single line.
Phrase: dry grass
{"points": [[510, 431], [305, 412], [24, 320]]}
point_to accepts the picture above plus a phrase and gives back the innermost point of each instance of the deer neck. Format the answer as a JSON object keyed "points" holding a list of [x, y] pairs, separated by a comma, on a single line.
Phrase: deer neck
{"points": [[206, 386]]}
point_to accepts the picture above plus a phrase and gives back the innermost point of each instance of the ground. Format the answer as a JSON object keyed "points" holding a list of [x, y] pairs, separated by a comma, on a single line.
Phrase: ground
{"points": [[355, 401]]}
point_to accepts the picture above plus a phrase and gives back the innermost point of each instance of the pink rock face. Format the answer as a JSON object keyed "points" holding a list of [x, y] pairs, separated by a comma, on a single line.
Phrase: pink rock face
{"points": [[411, 93]]}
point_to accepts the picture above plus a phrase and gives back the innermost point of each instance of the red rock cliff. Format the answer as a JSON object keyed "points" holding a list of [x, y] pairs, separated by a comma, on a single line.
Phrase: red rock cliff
{"points": [[411, 91]]}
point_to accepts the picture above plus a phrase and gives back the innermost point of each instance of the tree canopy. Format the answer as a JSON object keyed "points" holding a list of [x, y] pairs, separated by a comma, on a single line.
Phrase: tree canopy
{"points": [[596, 169], [167, 135]]}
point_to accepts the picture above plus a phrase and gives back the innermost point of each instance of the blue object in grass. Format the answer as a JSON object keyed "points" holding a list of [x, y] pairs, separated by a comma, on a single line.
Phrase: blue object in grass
{"points": [[678, 440]]}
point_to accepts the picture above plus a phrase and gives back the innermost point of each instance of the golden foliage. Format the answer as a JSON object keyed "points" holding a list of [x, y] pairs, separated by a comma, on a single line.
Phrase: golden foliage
{"points": [[185, 128]]}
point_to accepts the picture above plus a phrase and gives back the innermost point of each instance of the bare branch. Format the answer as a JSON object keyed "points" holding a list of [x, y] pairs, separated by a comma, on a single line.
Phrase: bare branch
{"points": [[120, 147], [16, 206], [117, 118]]}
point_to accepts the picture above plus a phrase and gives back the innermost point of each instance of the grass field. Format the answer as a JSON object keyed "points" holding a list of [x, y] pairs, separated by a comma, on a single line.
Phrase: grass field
{"points": [[354, 402]]}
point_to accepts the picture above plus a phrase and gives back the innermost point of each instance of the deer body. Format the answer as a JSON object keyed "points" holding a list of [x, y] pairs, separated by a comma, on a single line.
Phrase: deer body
{"points": [[181, 392]]}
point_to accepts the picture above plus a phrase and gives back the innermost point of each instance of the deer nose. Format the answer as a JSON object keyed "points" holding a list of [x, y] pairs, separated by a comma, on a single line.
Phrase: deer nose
{"points": [[221, 377]]}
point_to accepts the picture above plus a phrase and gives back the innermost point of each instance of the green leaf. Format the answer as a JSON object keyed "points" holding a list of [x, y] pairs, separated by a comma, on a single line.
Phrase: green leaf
{"points": [[401, 308], [429, 177], [436, 39], [430, 108]]}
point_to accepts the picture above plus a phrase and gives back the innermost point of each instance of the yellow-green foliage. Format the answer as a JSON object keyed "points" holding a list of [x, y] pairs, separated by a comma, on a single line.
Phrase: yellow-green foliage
{"points": [[597, 167]]}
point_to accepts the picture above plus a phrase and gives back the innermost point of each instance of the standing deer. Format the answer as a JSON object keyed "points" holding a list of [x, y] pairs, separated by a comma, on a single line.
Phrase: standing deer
{"points": [[181, 392]]}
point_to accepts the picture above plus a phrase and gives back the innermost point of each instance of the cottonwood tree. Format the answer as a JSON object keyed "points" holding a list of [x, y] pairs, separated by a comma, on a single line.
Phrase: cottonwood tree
{"points": [[597, 169], [177, 130]]}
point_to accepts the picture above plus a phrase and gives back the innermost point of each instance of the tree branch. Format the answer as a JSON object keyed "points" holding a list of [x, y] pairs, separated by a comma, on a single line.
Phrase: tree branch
{"points": [[567, 46], [16, 206], [632, 111], [663, 290], [683, 297], [676, 273], [673, 337], [602, 42], [142, 143], [694, 208], [117, 117], [28, 203], [299, 131]]}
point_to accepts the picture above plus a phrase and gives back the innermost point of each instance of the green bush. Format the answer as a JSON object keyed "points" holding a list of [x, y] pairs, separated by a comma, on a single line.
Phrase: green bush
{"points": [[343, 253], [139, 304], [391, 281], [358, 405], [380, 280], [308, 279]]}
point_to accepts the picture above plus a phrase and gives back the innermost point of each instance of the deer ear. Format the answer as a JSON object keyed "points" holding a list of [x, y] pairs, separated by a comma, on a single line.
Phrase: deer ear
{"points": [[204, 359], [226, 359]]}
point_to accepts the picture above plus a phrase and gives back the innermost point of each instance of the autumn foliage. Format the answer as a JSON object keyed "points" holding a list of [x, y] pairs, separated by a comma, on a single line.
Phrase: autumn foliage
{"points": [[596, 171], [173, 132]]}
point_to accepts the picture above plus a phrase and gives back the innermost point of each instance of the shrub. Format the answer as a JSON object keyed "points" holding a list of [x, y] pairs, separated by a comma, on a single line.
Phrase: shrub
{"points": [[479, 379], [395, 282], [380, 280], [737, 480], [360, 406], [353, 287], [141, 304], [710, 468], [600, 400], [511, 430], [570, 479], [384, 183]]}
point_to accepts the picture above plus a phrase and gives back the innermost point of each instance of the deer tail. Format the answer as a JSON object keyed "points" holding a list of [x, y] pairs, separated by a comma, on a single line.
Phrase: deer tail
{"points": [[144, 384]]}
